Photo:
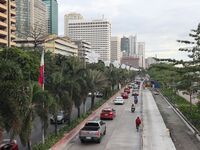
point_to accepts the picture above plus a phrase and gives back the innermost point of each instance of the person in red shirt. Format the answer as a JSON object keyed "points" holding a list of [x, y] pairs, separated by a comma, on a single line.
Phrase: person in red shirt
{"points": [[137, 123]]}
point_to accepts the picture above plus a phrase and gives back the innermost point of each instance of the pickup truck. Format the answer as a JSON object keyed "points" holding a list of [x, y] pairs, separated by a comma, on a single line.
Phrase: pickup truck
{"points": [[93, 130]]}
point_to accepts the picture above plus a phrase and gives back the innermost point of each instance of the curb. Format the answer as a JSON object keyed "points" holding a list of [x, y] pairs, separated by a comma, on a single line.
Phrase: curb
{"points": [[62, 143], [187, 123]]}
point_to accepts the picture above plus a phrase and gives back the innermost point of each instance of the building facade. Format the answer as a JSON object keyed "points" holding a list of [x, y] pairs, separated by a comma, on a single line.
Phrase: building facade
{"points": [[31, 16], [132, 61], [132, 45], [141, 53], [70, 16], [7, 22], [125, 45], [54, 44], [96, 32], [115, 49], [52, 10], [84, 48]]}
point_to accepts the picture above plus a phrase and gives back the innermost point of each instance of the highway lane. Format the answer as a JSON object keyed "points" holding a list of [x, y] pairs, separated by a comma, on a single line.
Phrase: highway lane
{"points": [[120, 133]]}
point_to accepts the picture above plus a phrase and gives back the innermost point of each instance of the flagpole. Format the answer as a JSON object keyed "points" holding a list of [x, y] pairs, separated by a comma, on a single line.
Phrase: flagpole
{"points": [[43, 135]]}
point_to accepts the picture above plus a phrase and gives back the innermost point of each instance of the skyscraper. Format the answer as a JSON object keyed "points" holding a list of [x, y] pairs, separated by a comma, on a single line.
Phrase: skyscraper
{"points": [[96, 32], [132, 45], [52, 9], [141, 53], [125, 45], [30, 14], [70, 16], [7, 22], [115, 52]]}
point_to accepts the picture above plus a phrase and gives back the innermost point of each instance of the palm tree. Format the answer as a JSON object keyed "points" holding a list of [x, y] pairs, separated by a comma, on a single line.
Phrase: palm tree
{"points": [[36, 103], [74, 73], [97, 80], [11, 91]]}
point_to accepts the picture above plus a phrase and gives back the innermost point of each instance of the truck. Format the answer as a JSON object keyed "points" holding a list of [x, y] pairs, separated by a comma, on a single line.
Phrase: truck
{"points": [[93, 130]]}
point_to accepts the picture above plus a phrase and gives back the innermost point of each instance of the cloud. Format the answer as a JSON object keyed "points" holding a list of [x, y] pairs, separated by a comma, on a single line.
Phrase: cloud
{"points": [[159, 23]]}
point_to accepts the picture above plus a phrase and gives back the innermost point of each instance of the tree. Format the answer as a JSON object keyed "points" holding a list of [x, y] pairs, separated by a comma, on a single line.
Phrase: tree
{"points": [[11, 91], [36, 103], [97, 81]]}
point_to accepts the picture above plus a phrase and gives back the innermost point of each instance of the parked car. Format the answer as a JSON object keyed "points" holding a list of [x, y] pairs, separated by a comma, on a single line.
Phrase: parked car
{"points": [[8, 144], [99, 94], [127, 90], [124, 95], [62, 117], [92, 131], [118, 100], [108, 113]]}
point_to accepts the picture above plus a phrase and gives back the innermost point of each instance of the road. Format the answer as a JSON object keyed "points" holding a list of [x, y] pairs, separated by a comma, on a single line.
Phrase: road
{"points": [[121, 133], [182, 137]]}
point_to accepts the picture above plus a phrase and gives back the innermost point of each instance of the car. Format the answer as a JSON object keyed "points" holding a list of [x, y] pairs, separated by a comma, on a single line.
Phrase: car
{"points": [[118, 100], [108, 113], [124, 95], [99, 94], [93, 130], [135, 92], [127, 90], [8, 144], [62, 117], [155, 92]]}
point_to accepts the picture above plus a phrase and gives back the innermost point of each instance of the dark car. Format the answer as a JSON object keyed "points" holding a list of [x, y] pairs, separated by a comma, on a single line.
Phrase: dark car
{"points": [[62, 117], [108, 113], [124, 95], [8, 144], [127, 90]]}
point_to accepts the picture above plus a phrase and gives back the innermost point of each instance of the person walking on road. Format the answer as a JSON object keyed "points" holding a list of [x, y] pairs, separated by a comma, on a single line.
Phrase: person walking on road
{"points": [[137, 123]]}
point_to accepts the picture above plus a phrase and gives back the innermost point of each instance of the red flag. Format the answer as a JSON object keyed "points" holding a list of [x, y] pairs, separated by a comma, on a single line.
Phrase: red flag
{"points": [[41, 75]]}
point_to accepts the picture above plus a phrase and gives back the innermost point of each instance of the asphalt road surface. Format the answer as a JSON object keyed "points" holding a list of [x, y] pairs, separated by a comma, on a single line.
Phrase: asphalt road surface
{"points": [[120, 133]]}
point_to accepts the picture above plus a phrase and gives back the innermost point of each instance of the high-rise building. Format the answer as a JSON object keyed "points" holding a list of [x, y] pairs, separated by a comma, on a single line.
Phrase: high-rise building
{"points": [[132, 45], [7, 22], [52, 9], [115, 50], [125, 45], [96, 32], [30, 15], [141, 53], [70, 16]]}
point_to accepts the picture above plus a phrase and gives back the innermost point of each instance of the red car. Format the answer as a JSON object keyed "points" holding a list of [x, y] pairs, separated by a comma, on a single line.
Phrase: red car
{"points": [[8, 145], [127, 90], [108, 113], [124, 95]]}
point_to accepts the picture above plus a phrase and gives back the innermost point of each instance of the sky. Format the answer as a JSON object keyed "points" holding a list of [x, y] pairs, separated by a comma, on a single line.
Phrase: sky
{"points": [[158, 23]]}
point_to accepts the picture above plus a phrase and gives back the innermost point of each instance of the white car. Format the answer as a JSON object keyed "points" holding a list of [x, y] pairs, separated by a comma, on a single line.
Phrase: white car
{"points": [[118, 100]]}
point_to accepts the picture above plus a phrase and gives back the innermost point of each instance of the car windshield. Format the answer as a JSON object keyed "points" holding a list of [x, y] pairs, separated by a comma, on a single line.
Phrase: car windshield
{"points": [[92, 124], [106, 110]]}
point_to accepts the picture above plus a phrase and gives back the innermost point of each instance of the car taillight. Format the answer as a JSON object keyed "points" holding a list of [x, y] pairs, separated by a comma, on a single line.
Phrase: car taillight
{"points": [[98, 133], [110, 113]]}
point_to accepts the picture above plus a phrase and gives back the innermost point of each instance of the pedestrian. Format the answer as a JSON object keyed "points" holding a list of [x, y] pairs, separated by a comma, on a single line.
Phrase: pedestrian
{"points": [[137, 123]]}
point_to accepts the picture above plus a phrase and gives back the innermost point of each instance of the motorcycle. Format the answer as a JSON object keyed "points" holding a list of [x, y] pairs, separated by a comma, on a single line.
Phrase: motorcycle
{"points": [[132, 108], [135, 101]]}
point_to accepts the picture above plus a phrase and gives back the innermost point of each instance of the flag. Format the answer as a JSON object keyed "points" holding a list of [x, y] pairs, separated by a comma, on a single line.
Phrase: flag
{"points": [[41, 75]]}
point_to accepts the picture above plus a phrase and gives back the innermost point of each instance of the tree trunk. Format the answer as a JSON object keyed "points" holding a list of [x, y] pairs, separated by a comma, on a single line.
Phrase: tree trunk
{"points": [[56, 125], [190, 103], [92, 102], [29, 144], [1, 134], [84, 102], [79, 111]]}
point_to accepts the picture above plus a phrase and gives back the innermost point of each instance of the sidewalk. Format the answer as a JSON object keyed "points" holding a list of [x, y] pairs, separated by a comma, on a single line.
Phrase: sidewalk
{"points": [[155, 133], [187, 97]]}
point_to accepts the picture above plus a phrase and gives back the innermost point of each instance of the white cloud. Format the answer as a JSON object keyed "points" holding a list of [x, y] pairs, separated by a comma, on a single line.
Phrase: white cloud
{"points": [[159, 23]]}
